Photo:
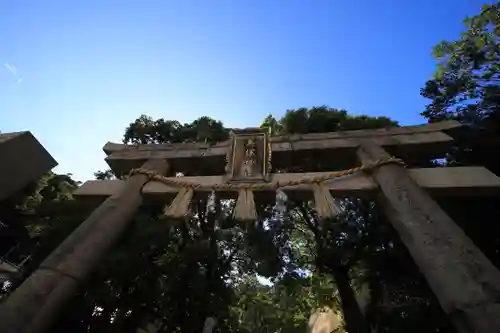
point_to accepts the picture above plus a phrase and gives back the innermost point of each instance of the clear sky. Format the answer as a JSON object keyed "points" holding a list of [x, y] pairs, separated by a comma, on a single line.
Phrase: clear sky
{"points": [[76, 73]]}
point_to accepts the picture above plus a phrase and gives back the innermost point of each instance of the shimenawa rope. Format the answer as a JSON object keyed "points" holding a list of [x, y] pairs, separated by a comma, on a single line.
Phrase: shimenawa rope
{"points": [[179, 182]]}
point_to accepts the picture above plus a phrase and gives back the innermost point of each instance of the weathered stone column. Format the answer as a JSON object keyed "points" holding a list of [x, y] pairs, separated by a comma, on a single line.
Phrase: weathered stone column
{"points": [[465, 282], [33, 306]]}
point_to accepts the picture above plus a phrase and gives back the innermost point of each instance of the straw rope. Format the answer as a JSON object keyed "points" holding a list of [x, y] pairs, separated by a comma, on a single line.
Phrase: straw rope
{"points": [[179, 182]]}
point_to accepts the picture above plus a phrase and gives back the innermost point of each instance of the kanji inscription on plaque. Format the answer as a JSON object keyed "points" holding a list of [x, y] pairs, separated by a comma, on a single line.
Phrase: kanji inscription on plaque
{"points": [[249, 155]]}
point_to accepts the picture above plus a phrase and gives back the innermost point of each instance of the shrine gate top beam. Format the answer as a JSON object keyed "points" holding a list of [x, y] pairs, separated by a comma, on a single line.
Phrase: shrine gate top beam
{"points": [[336, 150]]}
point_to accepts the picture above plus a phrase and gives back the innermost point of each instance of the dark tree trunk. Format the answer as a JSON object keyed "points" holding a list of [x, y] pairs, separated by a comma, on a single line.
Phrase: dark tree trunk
{"points": [[354, 319]]}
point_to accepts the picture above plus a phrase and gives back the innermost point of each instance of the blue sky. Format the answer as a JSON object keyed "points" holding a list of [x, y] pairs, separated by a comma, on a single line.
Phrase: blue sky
{"points": [[89, 68]]}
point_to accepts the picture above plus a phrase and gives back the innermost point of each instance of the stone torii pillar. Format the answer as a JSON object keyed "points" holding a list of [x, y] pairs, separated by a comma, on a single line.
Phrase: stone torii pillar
{"points": [[465, 282], [33, 306]]}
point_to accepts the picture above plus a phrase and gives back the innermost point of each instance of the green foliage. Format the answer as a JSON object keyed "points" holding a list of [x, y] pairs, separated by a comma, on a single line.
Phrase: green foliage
{"points": [[466, 88], [283, 307], [146, 130], [321, 119], [104, 175]]}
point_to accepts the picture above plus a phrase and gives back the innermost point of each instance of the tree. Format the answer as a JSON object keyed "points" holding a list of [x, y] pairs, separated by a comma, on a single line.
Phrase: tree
{"points": [[282, 307], [466, 87]]}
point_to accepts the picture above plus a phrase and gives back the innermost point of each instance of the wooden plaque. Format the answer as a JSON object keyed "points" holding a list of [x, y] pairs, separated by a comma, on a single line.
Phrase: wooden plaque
{"points": [[249, 155]]}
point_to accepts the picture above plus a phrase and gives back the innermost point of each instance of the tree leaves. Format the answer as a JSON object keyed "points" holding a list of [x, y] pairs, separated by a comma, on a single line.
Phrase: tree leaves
{"points": [[146, 130], [466, 87]]}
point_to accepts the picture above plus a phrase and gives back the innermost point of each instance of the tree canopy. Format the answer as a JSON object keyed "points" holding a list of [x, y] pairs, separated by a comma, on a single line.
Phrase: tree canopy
{"points": [[466, 87]]}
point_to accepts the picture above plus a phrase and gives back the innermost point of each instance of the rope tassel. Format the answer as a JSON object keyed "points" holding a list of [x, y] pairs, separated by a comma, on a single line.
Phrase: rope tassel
{"points": [[325, 204], [180, 205], [245, 206]]}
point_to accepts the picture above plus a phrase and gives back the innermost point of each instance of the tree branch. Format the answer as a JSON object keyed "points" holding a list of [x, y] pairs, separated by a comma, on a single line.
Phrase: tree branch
{"points": [[307, 219]]}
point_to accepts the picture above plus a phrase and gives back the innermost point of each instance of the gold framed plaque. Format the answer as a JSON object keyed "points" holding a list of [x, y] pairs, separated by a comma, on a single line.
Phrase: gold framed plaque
{"points": [[249, 155]]}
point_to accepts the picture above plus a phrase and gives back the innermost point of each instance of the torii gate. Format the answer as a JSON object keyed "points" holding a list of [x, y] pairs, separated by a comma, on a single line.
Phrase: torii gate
{"points": [[465, 282]]}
